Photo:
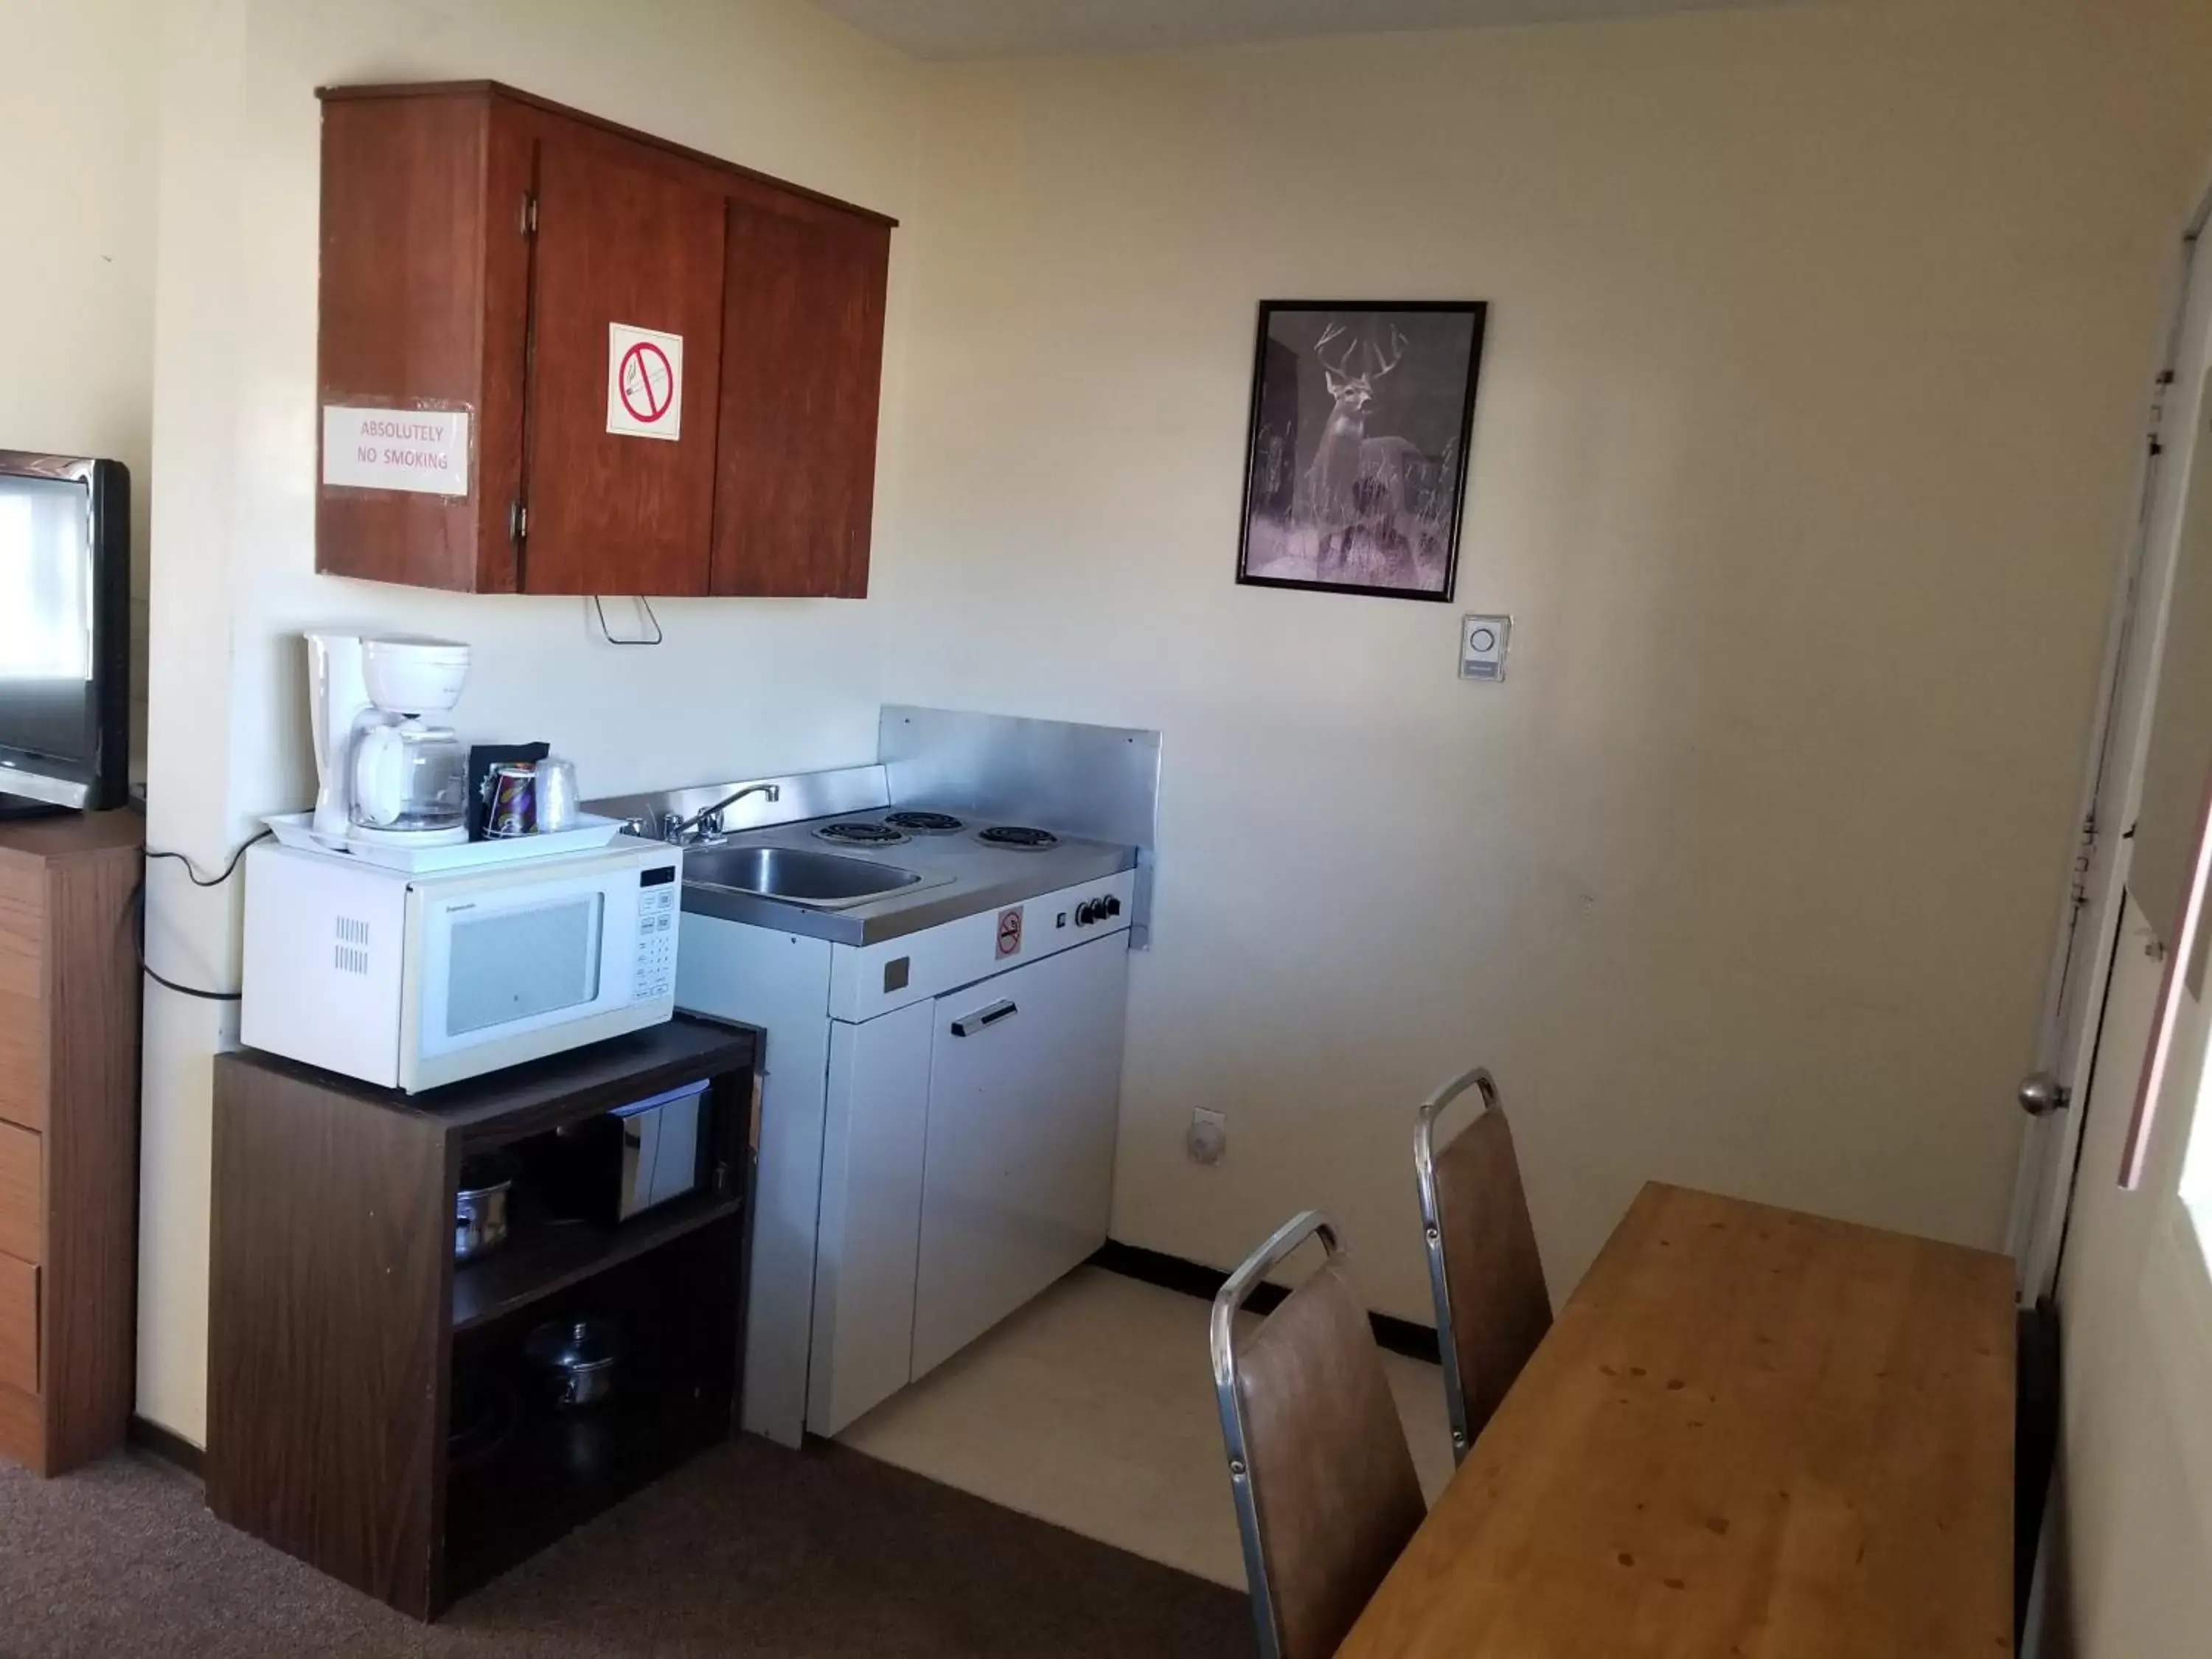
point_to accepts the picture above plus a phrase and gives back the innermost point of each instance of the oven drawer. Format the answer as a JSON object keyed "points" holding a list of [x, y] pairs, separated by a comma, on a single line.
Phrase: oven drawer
{"points": [[19, 1324], [20, 1232]]}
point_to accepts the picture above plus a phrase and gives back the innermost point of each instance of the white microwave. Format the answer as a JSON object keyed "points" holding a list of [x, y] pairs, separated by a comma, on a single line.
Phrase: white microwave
{"points": [[409, 981]]}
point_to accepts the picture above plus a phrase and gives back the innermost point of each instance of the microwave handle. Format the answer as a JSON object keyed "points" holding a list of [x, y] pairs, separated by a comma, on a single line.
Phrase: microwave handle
{"points": [[969, 1024]]}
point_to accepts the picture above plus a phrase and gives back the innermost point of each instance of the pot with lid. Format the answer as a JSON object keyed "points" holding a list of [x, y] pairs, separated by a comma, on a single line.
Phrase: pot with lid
{"points": [[575, 1360]]}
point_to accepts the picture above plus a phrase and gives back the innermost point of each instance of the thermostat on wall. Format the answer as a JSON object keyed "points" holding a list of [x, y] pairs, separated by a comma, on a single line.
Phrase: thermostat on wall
{"points": [[1482, 647]]}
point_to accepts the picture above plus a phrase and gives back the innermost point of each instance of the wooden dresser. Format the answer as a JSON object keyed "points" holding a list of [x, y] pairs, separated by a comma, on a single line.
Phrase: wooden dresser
{"points": [[69, 1135]]}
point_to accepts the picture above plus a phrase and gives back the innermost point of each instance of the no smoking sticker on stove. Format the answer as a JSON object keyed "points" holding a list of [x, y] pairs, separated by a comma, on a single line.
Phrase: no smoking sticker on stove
{"points": [[1010, 931], [644, 382]]}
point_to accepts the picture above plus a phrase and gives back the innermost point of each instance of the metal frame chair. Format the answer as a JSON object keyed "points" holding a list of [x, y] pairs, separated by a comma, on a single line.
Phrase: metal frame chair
{"points": [[1228, 1302], [1425, 1170]]}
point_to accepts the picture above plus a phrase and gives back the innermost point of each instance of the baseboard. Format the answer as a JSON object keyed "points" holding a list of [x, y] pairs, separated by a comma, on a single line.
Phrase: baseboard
{"points": [[171, 1448], [1175, 1272]]}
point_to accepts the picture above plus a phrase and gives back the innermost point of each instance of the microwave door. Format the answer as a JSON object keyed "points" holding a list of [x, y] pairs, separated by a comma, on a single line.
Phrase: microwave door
{"points": [[523, 961], [513, 968], [499, 960]]}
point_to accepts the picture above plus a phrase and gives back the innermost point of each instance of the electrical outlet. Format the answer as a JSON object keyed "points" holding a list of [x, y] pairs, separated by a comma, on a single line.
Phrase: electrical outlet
{"points": [[1209, 1136]]}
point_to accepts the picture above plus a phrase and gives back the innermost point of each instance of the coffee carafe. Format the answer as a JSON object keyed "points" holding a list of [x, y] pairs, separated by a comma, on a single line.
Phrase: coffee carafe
{"points": [[386, 772]]}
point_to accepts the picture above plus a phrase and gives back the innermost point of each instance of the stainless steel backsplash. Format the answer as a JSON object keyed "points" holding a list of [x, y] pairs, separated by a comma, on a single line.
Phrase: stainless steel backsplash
{"points": [[1102, 781]]}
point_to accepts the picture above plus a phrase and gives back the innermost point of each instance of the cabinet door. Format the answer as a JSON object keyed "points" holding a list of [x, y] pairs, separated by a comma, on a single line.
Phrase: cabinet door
{"points": [[625, 239], [864, 1264], [422, 293], [804, 317], [1018, 1174]]}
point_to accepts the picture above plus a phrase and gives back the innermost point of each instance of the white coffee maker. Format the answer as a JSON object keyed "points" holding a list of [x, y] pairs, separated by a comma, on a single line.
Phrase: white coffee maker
{"points": [[385, 773]]}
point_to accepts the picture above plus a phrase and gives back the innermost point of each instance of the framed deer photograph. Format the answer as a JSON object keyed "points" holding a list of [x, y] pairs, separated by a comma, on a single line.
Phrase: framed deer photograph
{"points": [[1355, 467]]}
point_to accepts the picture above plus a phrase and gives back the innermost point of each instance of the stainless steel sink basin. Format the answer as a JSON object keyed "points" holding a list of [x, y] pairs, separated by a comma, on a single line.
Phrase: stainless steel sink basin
{"points": [[794, 875]]}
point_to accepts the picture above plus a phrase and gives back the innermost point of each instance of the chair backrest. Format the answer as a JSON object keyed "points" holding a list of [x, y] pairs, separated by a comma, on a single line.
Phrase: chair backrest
{"points": [[1492, 1308], [1325, 1493]]}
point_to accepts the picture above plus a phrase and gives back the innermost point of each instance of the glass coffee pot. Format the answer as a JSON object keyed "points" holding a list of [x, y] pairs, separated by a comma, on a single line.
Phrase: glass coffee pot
{"points": [[410, 777]]}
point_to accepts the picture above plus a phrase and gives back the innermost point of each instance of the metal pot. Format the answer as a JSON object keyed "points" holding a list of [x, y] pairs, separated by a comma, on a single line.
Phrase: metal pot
{"points": [[576, 1358], [480, 1207]]}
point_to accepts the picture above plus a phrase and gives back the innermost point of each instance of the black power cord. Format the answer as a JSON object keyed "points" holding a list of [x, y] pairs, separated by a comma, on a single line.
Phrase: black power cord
{"points": [[191, 872]]}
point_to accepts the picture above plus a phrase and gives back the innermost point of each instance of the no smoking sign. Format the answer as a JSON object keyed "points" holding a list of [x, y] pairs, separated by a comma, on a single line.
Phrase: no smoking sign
{"points": [[644, 382]]}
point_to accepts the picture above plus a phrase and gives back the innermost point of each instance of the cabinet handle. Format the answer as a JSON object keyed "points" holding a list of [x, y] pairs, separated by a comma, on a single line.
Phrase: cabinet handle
{"points": [[969, 1024]]}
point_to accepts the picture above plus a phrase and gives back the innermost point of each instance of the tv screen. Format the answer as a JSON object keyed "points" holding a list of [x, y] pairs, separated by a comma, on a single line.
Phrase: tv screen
{"points": [[65, 598]]}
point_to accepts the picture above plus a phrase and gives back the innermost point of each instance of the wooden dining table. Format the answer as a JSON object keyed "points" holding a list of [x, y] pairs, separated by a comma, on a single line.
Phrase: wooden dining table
{"points": [[1750, 1434]]}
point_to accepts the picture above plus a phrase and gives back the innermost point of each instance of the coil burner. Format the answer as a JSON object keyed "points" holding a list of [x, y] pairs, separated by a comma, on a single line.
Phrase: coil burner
{"points": [[924, 823], [859, 833]]}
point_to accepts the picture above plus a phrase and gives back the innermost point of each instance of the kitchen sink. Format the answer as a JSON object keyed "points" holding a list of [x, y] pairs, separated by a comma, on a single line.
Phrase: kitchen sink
{"points": [[793, 874]]}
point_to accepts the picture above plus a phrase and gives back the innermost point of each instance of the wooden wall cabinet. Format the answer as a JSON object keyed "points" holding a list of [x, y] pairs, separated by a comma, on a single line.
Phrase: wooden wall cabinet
{"points": [[477, 243], [69, 1136]]}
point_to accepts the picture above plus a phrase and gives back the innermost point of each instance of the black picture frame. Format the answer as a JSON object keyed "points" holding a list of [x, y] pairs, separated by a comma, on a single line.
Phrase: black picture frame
{"points": [[1382, 517]]}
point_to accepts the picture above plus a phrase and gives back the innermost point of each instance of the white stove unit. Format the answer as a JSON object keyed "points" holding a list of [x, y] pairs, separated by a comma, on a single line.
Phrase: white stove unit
{"points": [[939, 1109]]}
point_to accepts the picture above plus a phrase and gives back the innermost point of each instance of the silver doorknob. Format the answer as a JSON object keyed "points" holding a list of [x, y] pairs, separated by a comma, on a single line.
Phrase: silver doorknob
{"points": [[2041, 1094]]}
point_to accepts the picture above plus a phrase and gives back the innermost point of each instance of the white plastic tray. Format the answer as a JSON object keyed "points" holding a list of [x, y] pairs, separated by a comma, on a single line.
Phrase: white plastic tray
{"points": [[292, 830]]}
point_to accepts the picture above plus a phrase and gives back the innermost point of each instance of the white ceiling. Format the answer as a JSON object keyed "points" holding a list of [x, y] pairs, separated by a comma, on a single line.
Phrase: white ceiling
{"points": [[1001, 28]]}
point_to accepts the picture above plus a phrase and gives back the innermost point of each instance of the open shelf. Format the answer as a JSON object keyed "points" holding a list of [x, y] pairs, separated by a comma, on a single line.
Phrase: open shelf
{"points": [[557, 1470], [677, 1317], [542, 1258]]}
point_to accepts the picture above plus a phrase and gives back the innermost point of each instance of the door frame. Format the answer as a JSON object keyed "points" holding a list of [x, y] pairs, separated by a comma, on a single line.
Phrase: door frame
{"points": [[2091, 905]]}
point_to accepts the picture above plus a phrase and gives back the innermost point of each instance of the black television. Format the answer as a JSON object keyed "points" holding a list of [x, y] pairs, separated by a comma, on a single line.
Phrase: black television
{"points": [[64, 633]]}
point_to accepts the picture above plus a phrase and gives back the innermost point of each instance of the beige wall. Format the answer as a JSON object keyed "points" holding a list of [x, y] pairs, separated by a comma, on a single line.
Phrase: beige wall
{"points": [[76, 254], [1801, 457], [1804, 454], [739, 688]]}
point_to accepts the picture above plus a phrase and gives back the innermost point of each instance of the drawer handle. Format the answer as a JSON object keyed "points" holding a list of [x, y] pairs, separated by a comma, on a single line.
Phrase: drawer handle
{"points": [[969, 1024]]}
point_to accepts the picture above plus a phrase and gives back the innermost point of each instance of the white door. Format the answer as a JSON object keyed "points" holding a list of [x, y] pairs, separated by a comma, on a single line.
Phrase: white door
{"points": [[2074, 1002], [1018, 1173]]}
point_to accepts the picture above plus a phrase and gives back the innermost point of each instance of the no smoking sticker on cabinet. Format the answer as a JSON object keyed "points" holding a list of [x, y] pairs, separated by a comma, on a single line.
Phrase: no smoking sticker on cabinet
{"points": [[644, 382]]}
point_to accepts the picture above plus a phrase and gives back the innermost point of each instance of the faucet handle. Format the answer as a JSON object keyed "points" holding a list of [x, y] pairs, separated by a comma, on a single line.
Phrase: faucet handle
{"points": [[671, 827], [709, 831]]}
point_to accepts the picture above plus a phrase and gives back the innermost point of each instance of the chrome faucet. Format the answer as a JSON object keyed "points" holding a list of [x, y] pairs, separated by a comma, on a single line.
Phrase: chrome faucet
{"points": [[705, 826]]}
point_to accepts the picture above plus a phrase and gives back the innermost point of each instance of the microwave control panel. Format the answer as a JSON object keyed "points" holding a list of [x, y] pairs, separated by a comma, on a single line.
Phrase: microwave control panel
{"points": [[656, 935]]}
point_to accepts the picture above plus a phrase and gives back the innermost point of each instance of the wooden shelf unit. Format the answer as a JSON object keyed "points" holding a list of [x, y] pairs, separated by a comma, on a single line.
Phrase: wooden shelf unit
{"points": [[342, 1331]]}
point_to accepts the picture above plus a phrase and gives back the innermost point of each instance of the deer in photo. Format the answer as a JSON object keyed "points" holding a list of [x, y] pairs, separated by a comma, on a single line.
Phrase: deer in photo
{"points": [[1354, 478]]}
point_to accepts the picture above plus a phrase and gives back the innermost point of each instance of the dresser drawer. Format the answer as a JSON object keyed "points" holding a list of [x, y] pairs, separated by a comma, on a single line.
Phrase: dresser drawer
{"points": [[19, 1324], [19, 1188], [22, 994]]}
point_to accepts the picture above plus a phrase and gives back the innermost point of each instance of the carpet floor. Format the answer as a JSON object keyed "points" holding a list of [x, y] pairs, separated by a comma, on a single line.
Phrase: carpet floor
{"points": [[751, 1550]]}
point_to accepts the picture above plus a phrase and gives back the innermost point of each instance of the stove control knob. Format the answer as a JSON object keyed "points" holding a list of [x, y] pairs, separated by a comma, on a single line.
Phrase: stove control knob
{"points": [[1109, 906], [1085, 913]]}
